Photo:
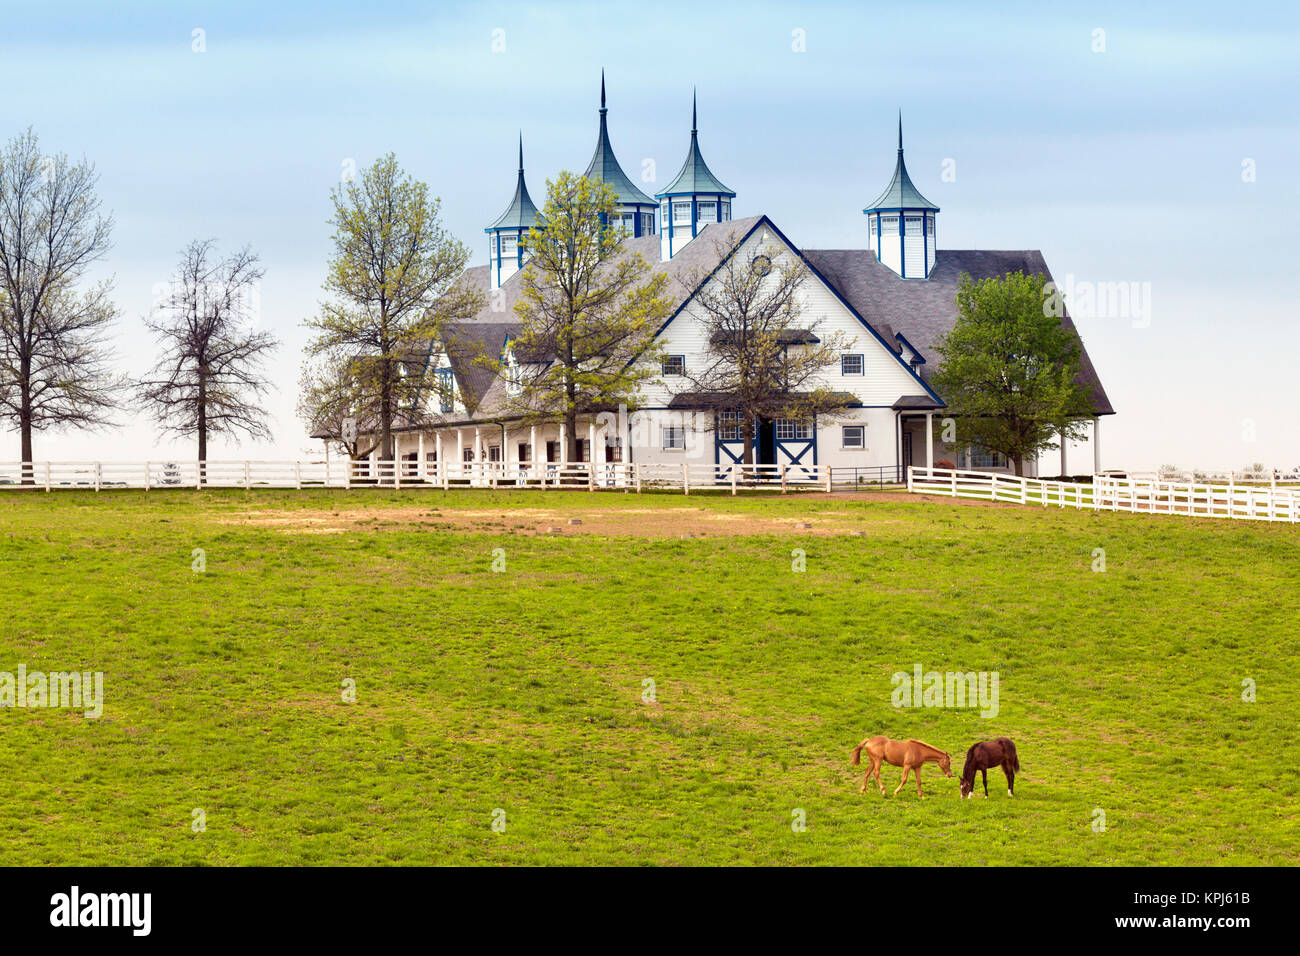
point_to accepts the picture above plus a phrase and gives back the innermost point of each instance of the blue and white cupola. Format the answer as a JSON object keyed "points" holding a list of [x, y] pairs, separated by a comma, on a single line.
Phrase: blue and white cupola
{"points": [[635, 210], [506, 236], [692, 200], [900, 224]]}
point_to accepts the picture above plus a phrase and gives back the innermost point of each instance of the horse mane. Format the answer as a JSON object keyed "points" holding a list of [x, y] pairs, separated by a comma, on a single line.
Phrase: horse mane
{"points": [[913, 740], [969, 763]]}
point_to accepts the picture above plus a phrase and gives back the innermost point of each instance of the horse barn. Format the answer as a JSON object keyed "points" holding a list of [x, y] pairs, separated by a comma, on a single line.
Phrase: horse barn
{"points": [[892, 299]]}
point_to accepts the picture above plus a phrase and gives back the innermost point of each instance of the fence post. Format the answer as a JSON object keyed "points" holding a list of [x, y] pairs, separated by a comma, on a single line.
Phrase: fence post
{"points": [[909, 478], [686, 478], [47, 476], [637, 468], [733, 480], [446, 475], [783, 488], [198, 475], [248, 483], [98, 474], [829, 473], [297, 475], [591, 473], [147, 482]]}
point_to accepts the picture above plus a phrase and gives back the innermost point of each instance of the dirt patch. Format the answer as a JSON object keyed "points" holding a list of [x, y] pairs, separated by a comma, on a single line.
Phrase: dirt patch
{"points": [[644, 522]]}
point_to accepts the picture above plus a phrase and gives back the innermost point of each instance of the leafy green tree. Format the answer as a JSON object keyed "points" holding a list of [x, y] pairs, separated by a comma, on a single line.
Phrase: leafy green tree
{"points": [[392, 278], [1009, 370], [589, 311]]}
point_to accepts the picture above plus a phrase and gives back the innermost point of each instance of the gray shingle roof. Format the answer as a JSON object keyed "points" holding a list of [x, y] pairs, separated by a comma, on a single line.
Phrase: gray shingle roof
{"points": [[923, 310]]}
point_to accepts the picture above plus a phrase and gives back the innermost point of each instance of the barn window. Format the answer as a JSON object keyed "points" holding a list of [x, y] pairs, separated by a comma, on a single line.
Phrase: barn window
{"points": [[729, 425], [674, 437], [851, 364], [674, 365], [789, 430], [853, 436]]}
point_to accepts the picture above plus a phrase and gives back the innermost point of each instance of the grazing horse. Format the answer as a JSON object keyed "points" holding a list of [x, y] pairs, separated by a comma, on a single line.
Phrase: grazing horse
{"points": [[908, 754], [990, 753]]}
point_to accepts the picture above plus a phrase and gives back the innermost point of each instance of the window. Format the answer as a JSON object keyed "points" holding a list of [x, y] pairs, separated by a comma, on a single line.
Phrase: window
{"points": [[494, 452], [789, 430], [647, 224], [929, 225], [889, 225], [467, 453], [726, 212], [583, 449], [708, 211], [729, 425], [674, 437], [851, 365], [674, 365], [982, 458], [613, 448], [681, 214], [446, 391], [853, 436], [913, 226], [508, 245], [525, 452], [622, 221], [552, 451]]}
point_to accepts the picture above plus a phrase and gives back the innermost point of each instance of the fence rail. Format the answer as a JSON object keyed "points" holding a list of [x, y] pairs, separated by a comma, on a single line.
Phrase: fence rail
{"points": [[366, 473], [1267, 501]]}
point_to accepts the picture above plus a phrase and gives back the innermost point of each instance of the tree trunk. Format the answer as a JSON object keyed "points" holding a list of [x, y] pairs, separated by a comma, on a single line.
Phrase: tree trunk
{"points": [[26, 427], [748, 456], [1019, 463], [571, 428], [202, 423]]}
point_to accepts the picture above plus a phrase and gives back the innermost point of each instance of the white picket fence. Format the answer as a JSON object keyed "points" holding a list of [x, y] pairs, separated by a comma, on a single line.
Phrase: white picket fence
{"points": [[366, 473], [1267, 501]]}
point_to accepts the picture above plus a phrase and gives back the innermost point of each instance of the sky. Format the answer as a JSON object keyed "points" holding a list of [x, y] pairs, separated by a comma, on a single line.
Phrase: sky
{"points": [[1149, 150]]}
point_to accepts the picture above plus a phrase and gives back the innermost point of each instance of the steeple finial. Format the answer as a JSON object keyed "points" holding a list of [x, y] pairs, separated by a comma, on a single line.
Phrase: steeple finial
{"points": [[602, 89], [521, 151], [900, 131], [694, 124]]}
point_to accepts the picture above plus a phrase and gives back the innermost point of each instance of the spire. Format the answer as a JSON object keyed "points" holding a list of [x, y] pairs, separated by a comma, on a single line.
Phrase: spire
{"points": [[900, 193], [521, 213], [695, 176], [604, 165]]}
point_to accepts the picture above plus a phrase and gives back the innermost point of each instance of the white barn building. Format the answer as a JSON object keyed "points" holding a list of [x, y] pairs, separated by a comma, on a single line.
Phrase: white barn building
{"points": [[892, 298]]}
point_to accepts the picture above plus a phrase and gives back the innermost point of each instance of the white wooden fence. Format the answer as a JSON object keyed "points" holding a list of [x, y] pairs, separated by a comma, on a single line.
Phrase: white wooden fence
{"points": [[1266, 501], [366, 473]]}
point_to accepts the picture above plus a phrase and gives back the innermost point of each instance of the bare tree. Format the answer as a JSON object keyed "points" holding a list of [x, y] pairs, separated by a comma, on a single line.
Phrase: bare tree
{"points": [[763, 359], [331, 394], [209, 377], [54, 356]]}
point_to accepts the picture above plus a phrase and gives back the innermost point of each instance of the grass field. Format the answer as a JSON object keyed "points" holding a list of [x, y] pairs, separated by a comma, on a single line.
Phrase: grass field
{"points": [[521, 690]]}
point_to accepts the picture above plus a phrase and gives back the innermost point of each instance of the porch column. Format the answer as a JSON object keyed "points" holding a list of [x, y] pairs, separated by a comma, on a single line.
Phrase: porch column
{"points": [[564, 443], [419, 468], [1063, 471], [460, 455], [898, 444], [1096, 445], [929, 439], [591, 442], [478, 452], [534, 460]]}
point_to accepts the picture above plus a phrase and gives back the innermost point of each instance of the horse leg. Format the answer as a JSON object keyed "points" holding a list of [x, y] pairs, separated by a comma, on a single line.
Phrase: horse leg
{"points": [[907, 768], [918, 782], [1011, 778], [875, 768], [984, 772]]}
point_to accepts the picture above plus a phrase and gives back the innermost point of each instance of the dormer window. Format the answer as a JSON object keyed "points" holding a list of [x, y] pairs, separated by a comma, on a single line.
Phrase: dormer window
{"points": [[674, 365], [708, 211], [851, 364], [889, 225], [726, 211], [681, 214]]}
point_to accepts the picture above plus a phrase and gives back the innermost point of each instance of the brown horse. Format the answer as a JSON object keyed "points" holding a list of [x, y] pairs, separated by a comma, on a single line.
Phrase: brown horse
{"points": [[990, 753], [908, 754]]}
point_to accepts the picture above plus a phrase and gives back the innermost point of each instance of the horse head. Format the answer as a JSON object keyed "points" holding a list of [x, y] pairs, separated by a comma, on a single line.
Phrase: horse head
{"points": [[945, 764], [967, 786]]}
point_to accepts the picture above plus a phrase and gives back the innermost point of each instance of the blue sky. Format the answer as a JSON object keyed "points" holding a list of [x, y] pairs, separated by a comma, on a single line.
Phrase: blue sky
{"points": [[1121, 166]]}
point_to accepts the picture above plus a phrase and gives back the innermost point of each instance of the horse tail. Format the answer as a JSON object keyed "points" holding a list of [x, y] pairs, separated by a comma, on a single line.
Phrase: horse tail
{"points": [[1011, 754], [857, 753]]}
